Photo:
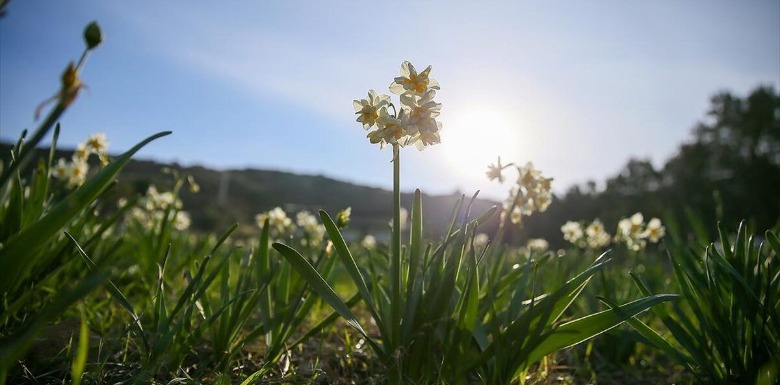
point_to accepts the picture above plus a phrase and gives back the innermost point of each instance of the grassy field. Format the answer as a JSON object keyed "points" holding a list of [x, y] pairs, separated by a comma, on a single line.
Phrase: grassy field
{"points": [[99, 291]]}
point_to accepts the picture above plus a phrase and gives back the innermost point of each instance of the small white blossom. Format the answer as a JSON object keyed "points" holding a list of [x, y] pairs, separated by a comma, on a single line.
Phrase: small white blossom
{"points": [[369, 242], [654, 231]]}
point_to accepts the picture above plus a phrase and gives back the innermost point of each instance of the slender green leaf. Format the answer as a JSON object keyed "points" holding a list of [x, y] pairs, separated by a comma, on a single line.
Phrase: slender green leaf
{"points": [[574, 332], [80, 361], [349, 263], [15, 345], [318, 284], [13, 256]]}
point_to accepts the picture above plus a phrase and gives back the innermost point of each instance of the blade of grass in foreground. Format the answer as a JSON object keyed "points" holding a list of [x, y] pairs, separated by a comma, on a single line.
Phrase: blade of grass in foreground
{"points": [[574, 332], [14, 256], [349, 263], [16, 345], [319, 285], [115, 292], [80, 360]]}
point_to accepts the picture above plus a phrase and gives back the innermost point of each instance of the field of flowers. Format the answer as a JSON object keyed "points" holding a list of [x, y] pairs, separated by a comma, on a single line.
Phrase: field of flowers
{"points": [[99, 291]]}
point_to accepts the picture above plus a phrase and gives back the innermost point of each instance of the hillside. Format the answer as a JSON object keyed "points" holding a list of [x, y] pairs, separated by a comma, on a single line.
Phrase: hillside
{"points": [[230, 196]]}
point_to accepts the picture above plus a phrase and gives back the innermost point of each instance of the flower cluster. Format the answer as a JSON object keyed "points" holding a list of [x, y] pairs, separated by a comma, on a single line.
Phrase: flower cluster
{"points": [[415, 121], [403, 216], [278, 222], [313, 232], [531, 193], [631, 231], [635, 234], [480, 241], [154, 206], [368, 242], [306, 226], [594, 235], [74, 170], [537, 244]]}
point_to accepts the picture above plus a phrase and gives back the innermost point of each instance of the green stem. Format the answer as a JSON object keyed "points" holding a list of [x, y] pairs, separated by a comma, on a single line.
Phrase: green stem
{"points": [[29, 149], [395, 262]]}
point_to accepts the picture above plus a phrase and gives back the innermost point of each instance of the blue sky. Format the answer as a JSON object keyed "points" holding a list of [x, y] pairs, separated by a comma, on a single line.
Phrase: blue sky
{"points": [[574, 87]]}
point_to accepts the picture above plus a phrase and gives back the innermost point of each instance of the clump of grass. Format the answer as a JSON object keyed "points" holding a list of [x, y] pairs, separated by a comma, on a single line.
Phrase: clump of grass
{"points": [[34, 252], [727, 327], [440, 314]]}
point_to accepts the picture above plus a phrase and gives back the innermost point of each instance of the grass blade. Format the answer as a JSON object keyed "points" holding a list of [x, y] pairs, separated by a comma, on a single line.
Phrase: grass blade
{"points": [[318, 284], [28, 241], [574, 332]]}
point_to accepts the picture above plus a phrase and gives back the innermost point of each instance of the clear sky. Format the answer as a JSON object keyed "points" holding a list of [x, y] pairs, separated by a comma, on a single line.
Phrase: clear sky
{"points": [[575, 87]]}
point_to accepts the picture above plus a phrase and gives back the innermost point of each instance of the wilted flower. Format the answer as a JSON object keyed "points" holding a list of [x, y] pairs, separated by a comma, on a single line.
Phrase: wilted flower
{"points": [[494, 171], [70, 86]]}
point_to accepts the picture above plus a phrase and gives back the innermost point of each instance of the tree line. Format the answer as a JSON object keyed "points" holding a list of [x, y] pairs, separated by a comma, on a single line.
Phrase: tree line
{"points": [[728, 171]]}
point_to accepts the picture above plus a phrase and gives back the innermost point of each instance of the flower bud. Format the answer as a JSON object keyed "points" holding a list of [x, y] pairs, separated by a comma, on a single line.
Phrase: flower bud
{"points": [[92, 35]]}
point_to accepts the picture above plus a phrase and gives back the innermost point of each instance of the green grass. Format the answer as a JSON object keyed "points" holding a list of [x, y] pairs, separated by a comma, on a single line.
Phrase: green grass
{"points": [[94, 292]]}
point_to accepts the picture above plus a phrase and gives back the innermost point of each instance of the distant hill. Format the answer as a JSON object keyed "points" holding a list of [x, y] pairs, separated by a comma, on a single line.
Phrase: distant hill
{"points": [[230, 196]]}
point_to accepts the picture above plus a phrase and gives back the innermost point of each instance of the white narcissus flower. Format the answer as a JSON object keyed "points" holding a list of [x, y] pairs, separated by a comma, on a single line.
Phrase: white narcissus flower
{"points": [[494, 171], [637, 221], [480, 240], [597, 236], [81, 153], [62, 169], [391, 128], [537, 244], [533, 192], [182, 221], [368, 109], [97, 143], [415, 120], [572, 231], [422, 112], [404, 216], [630, 230], [313, 231], [412, 82], [369, 242], [654, 231], [78, 173]]}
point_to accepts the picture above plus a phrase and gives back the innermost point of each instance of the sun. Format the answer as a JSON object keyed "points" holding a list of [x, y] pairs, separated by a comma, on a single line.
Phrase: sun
{"points": [[475, 137]]}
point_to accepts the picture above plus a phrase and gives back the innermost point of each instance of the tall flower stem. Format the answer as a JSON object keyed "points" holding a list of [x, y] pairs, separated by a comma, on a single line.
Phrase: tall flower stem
{"points": [[395, 247]]}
